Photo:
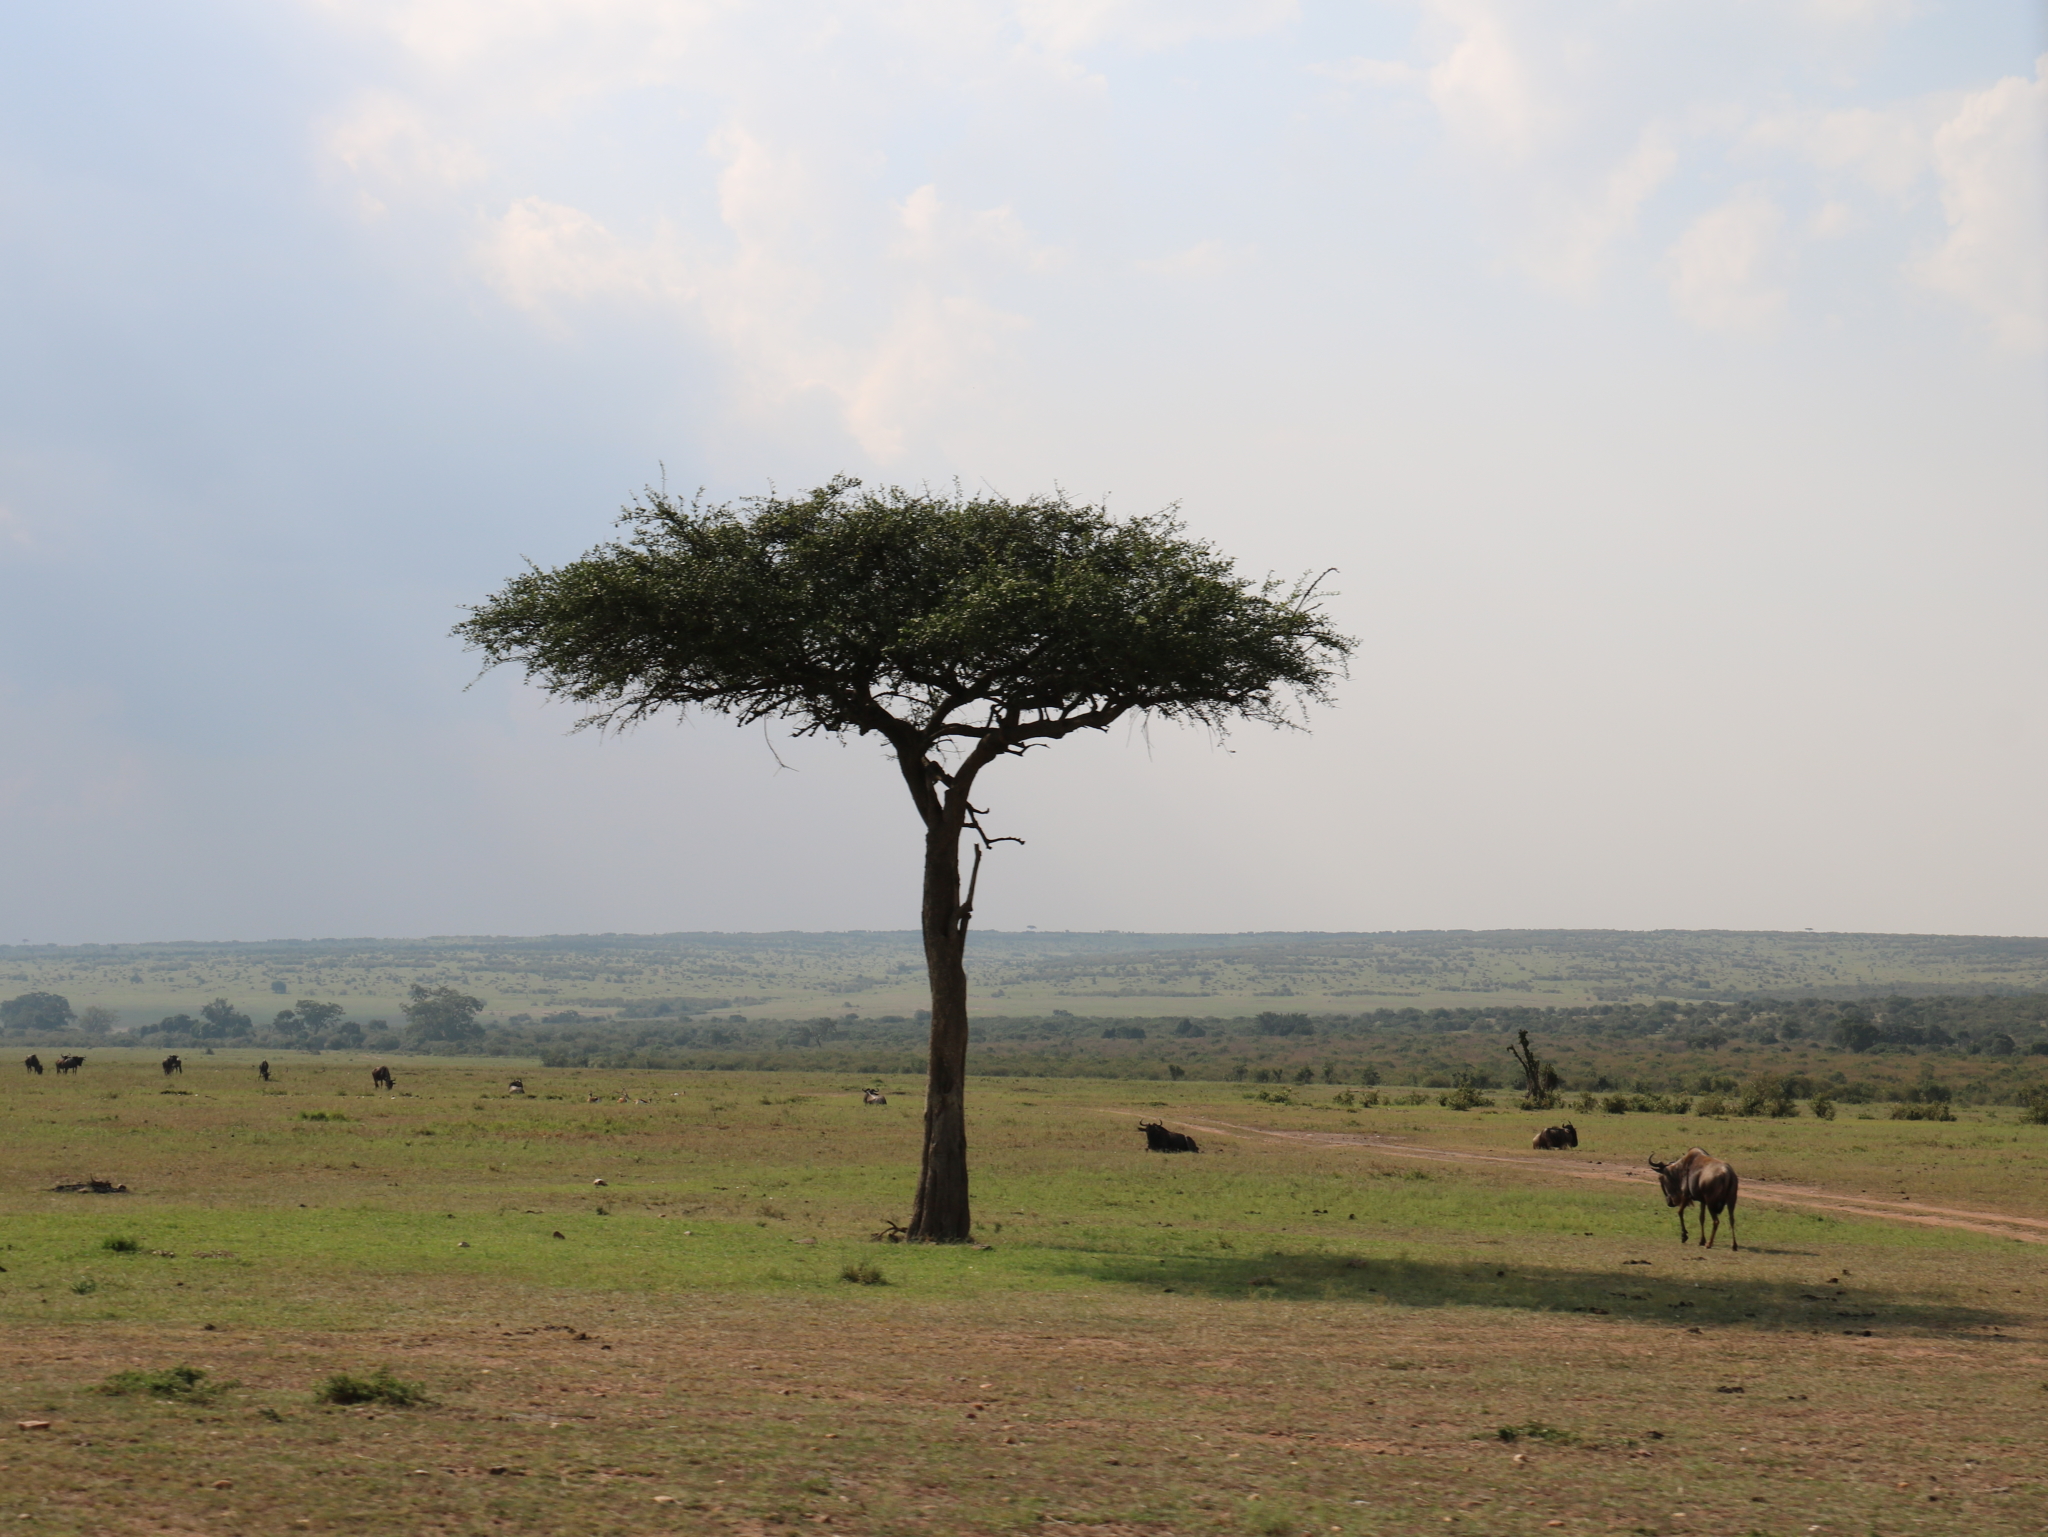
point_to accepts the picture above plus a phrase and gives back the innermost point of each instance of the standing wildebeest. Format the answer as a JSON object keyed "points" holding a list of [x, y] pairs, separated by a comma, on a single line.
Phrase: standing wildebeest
{"points": [[382, 1079], [263, 1071], [1159, 1140], [1709, 1181], [1566, 1135], [173, 1064], [872, 1097], [34, 1064], [70, 1064]]}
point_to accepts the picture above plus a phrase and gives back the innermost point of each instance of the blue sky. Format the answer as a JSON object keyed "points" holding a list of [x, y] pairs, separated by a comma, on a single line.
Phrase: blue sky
{"points": [[1665, 380]]}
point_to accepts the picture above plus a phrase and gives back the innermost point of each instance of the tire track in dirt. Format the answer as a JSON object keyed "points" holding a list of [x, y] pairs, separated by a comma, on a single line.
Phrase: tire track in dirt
{"points": [[1811, 1197]]}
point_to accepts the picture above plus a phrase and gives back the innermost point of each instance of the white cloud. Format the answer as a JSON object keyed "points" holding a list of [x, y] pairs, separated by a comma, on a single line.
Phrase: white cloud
{"points": [[1484, 87], [386, 139], [1572, 255], [1722, 269], [1204, 259], [1373, 72], [538, 251], [1990, 162], [1066, 25]]}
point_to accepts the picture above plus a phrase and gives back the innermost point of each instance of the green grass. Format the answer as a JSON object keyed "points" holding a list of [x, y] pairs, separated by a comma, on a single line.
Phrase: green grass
{"points": [[1319, 1333]]}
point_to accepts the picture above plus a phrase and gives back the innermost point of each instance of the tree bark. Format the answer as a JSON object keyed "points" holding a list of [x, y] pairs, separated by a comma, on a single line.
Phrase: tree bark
{"points": [[941, 1213]]}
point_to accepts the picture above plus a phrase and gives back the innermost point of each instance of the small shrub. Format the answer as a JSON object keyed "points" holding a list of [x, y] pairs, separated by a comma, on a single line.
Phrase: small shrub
{"points": [[2036, 1111], [1276, 1096], [321, 1115], [1615, 1104], [1936, 1112], [1586, 1104], [1712, 1104], [1823, 1109], [1464, 1097], [121, 1245], [86, 1287], [862, 1274], [187, 1384], [1534, 1430], [380, 1387]]}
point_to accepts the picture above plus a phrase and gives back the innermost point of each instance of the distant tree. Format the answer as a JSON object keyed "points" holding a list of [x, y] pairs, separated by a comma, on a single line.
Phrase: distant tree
{"points": [[1188, 1030], [311, 1017], [98, 1020], [1285, 1024], [277, 986], [442, 1014], [35, 1012], [958, 631], [1856, 1034], [224, 1021], [175, 1028]]}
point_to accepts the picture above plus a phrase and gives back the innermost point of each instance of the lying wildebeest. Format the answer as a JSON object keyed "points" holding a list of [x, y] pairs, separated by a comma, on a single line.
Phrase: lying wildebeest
{"points": [[70, 1064], [1709, 1181], [1566, 1135], [172, 1064], [263, 1071], [1159, 1140], [516, 1086], [381, 1078], [870, 1097], [34, 1064]]}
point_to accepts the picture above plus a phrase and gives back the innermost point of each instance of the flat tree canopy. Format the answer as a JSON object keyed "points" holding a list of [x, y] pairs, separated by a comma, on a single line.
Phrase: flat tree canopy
{"points": [[959, 630]]}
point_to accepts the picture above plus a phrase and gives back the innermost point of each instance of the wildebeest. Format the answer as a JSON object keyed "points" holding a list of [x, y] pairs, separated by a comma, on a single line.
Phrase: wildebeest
{"points": [[172, 1064], [1159, 1140], [870, 1097], [33, 1064], [1566, 1135], [263, 1071], [1709, 1181], [70, 1064], [516, 1086], [381, 1078]]}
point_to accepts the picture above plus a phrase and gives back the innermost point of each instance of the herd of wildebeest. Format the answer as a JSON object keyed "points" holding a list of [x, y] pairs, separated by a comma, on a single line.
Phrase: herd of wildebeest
{"points": [[1697, 1179]]}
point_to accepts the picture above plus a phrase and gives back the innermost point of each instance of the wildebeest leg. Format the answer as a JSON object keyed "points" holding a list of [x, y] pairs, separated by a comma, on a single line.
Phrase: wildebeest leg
{"points": [[1731, 1227], [1683, 1235], [1715, 1213]]}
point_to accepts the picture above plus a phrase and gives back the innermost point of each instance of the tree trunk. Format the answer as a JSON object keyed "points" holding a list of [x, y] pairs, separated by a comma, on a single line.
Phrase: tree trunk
{"points": [[941, 1214]]}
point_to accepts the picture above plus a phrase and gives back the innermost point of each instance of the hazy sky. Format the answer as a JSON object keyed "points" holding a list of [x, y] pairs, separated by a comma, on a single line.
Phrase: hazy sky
{"points": [[1666, 380]]}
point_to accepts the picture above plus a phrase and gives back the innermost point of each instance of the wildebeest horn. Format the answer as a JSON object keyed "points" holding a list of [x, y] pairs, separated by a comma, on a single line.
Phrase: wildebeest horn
{"points": [[1659, 1167]]}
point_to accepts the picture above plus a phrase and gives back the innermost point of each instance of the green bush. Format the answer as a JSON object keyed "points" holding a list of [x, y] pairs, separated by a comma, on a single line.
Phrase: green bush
{"points": [[321, 1115], [1535, 1430], [1823, 1109], [121, 1245], [380, 1387], [2036, 1110], [1615, 1104], [187, 1384], [1712, 1104], [861, 1273], [1935, 1112]]}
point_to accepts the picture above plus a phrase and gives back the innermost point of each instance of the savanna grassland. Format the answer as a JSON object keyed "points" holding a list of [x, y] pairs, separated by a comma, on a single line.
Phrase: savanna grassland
{"points": [[1386, 1318]]}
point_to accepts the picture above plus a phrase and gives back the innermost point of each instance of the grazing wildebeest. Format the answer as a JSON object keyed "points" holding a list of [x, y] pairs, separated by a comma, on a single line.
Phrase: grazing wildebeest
{"points": [[870, 1097], [173, 1064], [382, 1079], [1566, 1135], [34, 1064], [263, 1071], [1159, 1140], [70, 1064], [1709, 1181]]}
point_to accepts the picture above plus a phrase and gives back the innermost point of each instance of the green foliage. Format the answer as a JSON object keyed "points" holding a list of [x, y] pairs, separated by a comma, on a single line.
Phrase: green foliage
{"points": [[1711, 1105], [321, 1115], [861, 1273], [1935, 1112], [442, 1013], [1534, 1430], [35, 1013], [1465, 1097], [380, 1387], [186, 1384], [1823, 1109], [120, 1244], [2036, 1109], [850, 611]]}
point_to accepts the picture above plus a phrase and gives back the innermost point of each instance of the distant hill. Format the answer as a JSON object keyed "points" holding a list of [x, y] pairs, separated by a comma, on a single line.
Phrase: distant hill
{"points": [[880, 974]]}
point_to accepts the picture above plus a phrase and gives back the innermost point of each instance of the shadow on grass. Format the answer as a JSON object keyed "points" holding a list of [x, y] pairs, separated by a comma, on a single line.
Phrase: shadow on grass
{"points": [[1718, 1300]]}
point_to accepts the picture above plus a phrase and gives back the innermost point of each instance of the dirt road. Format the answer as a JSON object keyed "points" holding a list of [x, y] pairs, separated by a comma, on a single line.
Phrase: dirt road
{"points": [[1998, 1224]]}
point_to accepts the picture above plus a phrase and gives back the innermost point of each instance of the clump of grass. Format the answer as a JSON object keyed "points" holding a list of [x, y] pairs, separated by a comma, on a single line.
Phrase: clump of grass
{"points": [[1936, 1112], [380, 1387], [860, 1273], [321, 1115], [120, 1244], [186, 1384], [1534, 1430], [86, 1287]]}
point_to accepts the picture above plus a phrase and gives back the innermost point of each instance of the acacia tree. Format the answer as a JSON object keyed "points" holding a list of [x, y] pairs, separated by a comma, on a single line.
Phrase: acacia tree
{"points": [[958, 630]]}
